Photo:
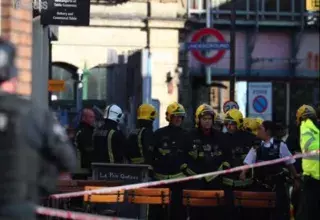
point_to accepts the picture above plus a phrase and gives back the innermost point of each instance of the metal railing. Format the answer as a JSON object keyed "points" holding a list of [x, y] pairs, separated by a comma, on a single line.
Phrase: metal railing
{"points": [[249, 12]]}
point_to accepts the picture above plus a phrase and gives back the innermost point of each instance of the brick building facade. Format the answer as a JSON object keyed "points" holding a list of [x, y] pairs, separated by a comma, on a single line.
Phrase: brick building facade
{"points": [[16, 25]]}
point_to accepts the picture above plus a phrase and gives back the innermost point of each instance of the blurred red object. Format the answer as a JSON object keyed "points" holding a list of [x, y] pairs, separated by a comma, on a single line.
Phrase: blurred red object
{"points": [[65, 176], [170, 87]]}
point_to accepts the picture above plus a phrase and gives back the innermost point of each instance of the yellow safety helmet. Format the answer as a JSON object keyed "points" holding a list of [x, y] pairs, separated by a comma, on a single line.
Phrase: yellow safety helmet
{"points": [[175, 109], [235, 116], [247, 123], [203, 110], [251, 125], [146, 112], [304, 112], [259, 121]]}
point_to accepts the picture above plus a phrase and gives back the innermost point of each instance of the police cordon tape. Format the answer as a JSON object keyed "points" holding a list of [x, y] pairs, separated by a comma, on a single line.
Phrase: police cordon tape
{"points": [[183, 179], [73, 215]]}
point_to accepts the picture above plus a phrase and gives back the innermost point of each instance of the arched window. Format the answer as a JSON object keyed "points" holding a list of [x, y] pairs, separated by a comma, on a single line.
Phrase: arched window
{"points": [[97, 83], [66, 72]]}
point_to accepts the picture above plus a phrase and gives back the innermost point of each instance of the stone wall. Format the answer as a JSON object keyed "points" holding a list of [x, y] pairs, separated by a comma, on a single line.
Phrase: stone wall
{"points": [[123, 29]]}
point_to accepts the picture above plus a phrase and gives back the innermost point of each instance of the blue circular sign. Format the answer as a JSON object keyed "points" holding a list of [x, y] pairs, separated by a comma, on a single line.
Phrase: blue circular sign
{"points": [[260, 104]]}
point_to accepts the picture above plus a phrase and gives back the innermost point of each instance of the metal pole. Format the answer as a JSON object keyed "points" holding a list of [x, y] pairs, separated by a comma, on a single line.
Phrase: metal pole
{"points": [[79, 90], [208, 25], [49, 65], [147, 75], [233, 50], [288, 103]]}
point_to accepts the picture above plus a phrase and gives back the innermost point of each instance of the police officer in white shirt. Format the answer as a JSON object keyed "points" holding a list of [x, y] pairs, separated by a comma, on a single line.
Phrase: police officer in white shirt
{"points": [[272, 176], [251, 157]]}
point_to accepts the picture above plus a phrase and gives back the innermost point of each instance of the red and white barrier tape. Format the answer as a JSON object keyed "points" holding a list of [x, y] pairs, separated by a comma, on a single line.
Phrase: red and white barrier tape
{"points": [[72, 215], [165, 182]]}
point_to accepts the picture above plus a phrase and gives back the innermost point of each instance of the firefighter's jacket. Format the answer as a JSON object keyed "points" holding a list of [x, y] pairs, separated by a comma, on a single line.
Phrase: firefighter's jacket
{"points": [[109, 143], [169, 152], [140, 143], [206, 152], [240, 144]]}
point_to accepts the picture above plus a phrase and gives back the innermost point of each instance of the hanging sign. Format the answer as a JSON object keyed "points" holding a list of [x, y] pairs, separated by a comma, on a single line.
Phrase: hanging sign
{"points": [[66, 12], [56, 85], [313, 5]]}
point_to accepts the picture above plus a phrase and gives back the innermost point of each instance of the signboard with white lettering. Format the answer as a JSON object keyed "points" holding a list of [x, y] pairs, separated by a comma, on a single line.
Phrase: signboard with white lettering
{"points": [[66, 12], [126, 174], [260, 100]]}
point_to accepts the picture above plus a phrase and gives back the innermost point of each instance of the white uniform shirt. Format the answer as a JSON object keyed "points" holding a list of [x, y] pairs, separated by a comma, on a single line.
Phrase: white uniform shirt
{"points": [[284, 152]]}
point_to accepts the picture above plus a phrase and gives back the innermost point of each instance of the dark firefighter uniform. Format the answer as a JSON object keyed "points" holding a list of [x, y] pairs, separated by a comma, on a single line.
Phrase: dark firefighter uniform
{"points": [[29, 135], [83, 141], [205, 153], [310, 141], [108, 141], [239, 142], [169, 155], [140, 140], [169, 152]]}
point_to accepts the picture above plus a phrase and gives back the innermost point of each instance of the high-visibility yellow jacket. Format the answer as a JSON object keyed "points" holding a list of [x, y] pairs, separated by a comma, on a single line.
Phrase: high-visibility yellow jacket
{"points": [[310, 141]]}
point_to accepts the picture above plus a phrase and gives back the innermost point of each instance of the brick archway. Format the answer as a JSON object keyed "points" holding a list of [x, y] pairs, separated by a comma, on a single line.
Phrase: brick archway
{"points": [[16, 26]]}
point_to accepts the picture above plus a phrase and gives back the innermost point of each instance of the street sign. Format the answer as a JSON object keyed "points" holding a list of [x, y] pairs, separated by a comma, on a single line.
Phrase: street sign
{"points": [[73, 13], [230, 105], [260, 100], [196, 45], [56, 85], [260, 104]]}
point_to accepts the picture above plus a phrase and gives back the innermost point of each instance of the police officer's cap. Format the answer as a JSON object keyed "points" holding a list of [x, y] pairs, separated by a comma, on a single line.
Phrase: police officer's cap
{"points": [[7, 56]]}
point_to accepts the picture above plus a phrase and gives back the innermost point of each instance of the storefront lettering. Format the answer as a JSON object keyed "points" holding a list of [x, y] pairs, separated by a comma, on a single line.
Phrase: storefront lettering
{"points": [[117, 176]]}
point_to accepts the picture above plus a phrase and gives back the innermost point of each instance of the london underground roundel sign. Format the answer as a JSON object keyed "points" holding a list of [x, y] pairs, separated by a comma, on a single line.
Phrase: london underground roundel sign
{"points": [[196, 45]]}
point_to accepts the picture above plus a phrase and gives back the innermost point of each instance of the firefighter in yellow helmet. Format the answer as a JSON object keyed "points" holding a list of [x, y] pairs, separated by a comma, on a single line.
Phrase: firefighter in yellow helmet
{"points": [[246, 124], [206, 153], [233, 120], [251, 125], [140, 140], [169, 155], [240, 142], [309, 141], [259, 121]]}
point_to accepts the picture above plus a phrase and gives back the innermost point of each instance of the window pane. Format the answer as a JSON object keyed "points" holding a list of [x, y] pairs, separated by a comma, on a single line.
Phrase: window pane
{"points": [[60, 73], [97, 83]]}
